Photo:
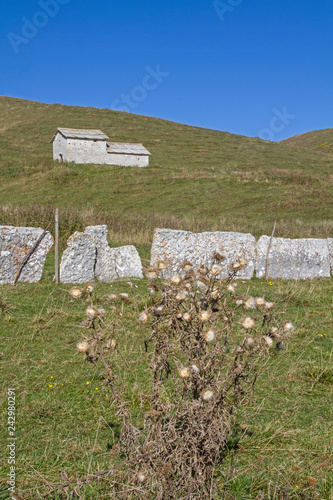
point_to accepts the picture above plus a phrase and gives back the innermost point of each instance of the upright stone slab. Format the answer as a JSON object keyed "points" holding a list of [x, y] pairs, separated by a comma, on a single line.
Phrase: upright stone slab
{"points": [[15, 244], [330, 251], [293, 259], [175, 247], [105, 268], [127, 262], [113, 263], [78, 260]]}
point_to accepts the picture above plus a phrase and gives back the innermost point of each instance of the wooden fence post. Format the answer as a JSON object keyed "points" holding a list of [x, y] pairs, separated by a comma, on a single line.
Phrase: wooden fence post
{"points": [[56, 243], [268, 250]]}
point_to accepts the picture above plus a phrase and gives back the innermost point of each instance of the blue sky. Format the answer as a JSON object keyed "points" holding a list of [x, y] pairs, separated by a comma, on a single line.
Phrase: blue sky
{"points": [[251, 67]]}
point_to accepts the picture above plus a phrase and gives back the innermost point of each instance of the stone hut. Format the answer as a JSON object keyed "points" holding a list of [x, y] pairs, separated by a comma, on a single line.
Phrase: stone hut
{"points": [[91, 146]]}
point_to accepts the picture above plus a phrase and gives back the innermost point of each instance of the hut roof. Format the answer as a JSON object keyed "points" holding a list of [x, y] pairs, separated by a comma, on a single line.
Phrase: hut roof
{"points": [[124, 148], [76, 133]]}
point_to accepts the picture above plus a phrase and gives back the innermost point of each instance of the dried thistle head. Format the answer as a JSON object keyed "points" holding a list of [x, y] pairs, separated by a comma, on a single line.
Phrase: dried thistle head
{"points": [[274, 332], [288, 327], [158, 310], [181, 296], [142, 476], [209, 335], [151, 273], [249, 303], [207, 394], [82, 346], [269, 342], [124, 297], [215, 293], [101, 312], [238, 265], [143, 317], [176, 279], [92, 312], [187, 316], [112, 297], [204, 316], [89, 288], [184, 373], [249, 342], [76, 292], [215, 270], [260, 302], [232, 287], [248, 323]]}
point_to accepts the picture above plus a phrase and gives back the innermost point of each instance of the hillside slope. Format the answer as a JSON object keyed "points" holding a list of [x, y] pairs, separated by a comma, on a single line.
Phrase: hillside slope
{"points": [[197, 178], [317, 140]]}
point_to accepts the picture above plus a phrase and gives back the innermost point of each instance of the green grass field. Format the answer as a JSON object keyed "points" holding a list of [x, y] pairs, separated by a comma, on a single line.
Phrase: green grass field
{"points": [[317, 140], [65, 420], [197, 180]]}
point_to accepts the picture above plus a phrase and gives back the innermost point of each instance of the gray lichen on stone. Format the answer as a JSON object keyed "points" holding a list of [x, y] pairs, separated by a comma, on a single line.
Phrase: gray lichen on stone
{"points": [[127, 262], [78, 260], [113, 263], [175, 247], [293, 259], [15, 244], [105, 264]]}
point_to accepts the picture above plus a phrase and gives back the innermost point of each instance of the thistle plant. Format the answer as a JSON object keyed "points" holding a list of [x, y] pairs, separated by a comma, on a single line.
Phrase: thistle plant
{"points": [[205, 347]]}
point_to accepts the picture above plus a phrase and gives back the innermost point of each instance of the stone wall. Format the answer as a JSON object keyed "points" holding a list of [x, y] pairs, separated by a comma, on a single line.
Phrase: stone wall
{"points": [[287, 258], [88, 255]]}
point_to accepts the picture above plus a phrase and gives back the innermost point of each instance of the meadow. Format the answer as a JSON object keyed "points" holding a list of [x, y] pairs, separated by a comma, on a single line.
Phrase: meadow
{"points": [[67, 428], [281, 446]]}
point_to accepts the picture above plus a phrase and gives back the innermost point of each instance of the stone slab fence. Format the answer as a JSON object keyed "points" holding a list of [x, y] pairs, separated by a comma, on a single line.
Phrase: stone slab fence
{"points": [[285, 258], [88, 255]]}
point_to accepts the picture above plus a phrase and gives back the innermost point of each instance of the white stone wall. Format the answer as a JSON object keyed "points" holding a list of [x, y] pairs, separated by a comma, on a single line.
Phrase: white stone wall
{"points": [[60, 148], [86, 151], [127, 160]]}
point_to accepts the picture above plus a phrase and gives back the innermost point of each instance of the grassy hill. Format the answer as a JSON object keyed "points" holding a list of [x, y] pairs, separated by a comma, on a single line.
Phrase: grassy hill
{"points": [[198, 179], [317, 140], [281, 445]]}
